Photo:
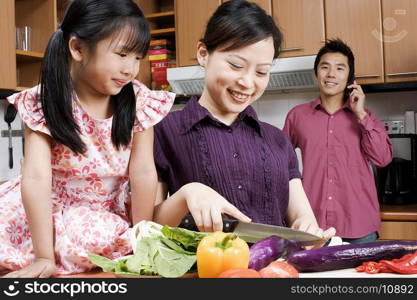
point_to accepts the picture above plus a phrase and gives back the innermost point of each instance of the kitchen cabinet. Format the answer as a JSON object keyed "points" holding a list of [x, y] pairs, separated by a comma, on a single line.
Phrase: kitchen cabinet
{"points": [[354, 22], [302, 25], [190, 19], [265, 4], [398, 222], [161, 18], [21, 69], [7, 49], [400, 39]]}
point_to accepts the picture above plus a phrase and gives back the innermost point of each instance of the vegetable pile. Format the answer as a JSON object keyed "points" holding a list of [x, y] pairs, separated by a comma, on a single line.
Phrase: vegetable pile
{"points": [[157, 250]]}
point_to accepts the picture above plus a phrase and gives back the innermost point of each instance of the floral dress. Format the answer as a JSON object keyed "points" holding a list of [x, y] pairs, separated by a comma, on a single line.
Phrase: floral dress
{"points": [[90, 197]]}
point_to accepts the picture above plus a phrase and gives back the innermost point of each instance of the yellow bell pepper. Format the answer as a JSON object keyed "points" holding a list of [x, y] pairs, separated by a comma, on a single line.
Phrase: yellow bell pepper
{"points": [[219, 252]]}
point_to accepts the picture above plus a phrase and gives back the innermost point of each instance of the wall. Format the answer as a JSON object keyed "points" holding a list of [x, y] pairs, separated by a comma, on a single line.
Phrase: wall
{"points": [[271, 108]]}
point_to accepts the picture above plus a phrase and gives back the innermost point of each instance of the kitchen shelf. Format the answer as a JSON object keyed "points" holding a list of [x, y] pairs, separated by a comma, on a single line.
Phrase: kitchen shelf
{"points": [[398, 212], [160, 15], [28, 55], [22, 88], [163, 31]]}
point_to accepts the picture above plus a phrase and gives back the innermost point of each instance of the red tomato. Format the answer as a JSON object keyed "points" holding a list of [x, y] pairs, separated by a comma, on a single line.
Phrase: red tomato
{"points": [[239, 273], [279, 269]]}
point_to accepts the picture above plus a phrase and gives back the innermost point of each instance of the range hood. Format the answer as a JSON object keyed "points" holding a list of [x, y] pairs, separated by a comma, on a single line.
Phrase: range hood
{"points": [[292, 73]]}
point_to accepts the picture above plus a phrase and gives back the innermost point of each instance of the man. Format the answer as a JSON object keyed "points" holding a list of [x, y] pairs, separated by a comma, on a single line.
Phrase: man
{"points": [[338, 138]]}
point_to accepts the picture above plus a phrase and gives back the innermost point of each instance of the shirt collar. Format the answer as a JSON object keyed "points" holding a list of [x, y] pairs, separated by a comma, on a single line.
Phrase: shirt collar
{"points": [[316, 104], [195, 113]]}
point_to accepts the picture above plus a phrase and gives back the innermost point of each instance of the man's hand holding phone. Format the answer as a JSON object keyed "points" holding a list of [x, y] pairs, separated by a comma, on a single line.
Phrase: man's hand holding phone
{"points": [[357, 100]]}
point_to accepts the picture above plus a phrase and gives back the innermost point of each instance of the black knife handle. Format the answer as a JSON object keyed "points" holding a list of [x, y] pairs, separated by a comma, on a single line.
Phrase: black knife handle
{"points": [[10, 158], [229, 225], [188, 222]]}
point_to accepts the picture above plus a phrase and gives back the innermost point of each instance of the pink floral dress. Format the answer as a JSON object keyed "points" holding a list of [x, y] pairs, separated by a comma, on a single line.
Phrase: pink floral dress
{"points": [[89, 192]]}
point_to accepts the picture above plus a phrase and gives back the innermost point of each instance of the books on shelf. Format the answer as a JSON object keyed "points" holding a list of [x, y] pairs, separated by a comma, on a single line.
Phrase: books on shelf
{"points": [[161, 57]]}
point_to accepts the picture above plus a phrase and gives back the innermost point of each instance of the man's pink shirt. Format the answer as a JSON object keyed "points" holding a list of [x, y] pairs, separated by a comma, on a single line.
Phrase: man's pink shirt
{"points": [[337, 150]]}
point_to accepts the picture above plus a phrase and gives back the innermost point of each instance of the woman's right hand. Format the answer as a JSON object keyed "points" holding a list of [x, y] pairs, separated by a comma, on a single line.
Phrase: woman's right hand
{"points": [[207, 207], [41, 268]]}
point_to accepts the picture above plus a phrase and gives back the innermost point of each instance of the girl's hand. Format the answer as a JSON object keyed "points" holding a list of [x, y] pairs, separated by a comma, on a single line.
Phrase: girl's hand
{"points": [[207, 207], [41, 268]]}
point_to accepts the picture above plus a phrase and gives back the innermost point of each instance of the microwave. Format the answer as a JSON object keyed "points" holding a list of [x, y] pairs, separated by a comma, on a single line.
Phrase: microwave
{"points": [[397, 182]]}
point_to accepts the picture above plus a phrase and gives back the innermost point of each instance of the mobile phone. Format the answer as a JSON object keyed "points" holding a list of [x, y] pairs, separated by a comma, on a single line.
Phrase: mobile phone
{"points": [[349, 90]]}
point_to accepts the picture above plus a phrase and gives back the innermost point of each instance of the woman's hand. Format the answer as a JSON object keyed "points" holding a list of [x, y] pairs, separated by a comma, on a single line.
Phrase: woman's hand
{"points": [[207, 207], [311, 226], [41, 268]]}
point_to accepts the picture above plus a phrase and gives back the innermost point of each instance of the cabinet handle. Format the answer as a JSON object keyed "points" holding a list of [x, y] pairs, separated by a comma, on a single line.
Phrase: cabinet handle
{"points": [[292, 49], [400, 74], [367, 76]]}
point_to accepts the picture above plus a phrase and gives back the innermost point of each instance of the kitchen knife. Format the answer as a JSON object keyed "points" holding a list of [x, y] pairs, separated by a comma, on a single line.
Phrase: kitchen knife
{"points": [[253, 232]]}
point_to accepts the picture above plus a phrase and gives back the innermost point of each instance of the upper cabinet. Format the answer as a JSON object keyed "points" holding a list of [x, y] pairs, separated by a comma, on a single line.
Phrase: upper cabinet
{"points": [[7, 48], [355, 22], [400, 39], [25, 29], [302, 24], [265, 4], [381, 33], [191, 18]]}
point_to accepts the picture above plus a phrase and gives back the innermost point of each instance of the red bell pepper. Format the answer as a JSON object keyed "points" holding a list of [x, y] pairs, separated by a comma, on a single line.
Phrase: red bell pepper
{"points": [[404, 265]]}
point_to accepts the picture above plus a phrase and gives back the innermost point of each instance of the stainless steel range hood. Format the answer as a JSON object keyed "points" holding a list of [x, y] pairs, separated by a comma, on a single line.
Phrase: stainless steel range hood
{"points": [[292, 73]]}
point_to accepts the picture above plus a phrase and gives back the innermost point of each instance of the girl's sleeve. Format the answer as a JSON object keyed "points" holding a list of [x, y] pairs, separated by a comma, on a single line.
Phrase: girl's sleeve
{"points": [[151, 106], [29, 107]]}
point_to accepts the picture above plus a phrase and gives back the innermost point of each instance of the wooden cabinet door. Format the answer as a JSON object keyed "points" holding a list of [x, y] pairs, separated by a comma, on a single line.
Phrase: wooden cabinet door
{"points": [[354, 21], [7, 48], [400, 39], [302, 25], [265, 4], [191, 18]]}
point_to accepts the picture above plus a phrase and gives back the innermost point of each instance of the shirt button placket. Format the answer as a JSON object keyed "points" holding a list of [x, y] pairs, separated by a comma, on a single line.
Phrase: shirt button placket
{"points": [[331, 159]]}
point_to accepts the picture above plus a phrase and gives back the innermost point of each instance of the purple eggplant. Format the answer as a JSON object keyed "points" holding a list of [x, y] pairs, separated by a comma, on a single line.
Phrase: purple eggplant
{"points": [[348, 256], [269, 249]]}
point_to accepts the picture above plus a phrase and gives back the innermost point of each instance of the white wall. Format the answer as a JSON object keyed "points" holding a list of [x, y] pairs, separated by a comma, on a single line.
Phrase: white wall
{"points": [[271, 108]]}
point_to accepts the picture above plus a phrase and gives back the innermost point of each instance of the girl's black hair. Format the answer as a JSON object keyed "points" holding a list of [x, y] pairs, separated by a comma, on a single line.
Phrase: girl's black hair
{"points": [[90, 21], [239, 23]]}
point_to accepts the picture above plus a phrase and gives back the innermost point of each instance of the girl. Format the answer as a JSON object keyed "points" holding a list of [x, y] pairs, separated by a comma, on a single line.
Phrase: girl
{"points": [[88, 130], [216, 148]]}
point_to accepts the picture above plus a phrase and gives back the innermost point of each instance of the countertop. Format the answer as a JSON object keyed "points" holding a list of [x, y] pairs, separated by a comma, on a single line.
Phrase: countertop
{"points": [[351, 273], [345, 273]]}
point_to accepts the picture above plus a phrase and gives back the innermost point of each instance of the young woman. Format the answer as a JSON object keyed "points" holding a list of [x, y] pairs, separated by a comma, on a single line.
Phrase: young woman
{"points": [[216, 148], [88, 131]]}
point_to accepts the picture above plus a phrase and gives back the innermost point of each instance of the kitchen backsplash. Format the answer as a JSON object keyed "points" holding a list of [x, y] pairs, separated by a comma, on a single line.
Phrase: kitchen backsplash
{"points": [[271, 108]]}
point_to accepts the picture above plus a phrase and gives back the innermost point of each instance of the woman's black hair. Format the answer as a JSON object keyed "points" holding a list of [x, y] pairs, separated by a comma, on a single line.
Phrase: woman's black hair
{"points": [[90, 21], [239, 23], [337, 46]]}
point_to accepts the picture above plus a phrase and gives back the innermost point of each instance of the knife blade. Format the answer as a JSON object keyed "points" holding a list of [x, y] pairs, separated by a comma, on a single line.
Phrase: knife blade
{"points": [[253, 232]]}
